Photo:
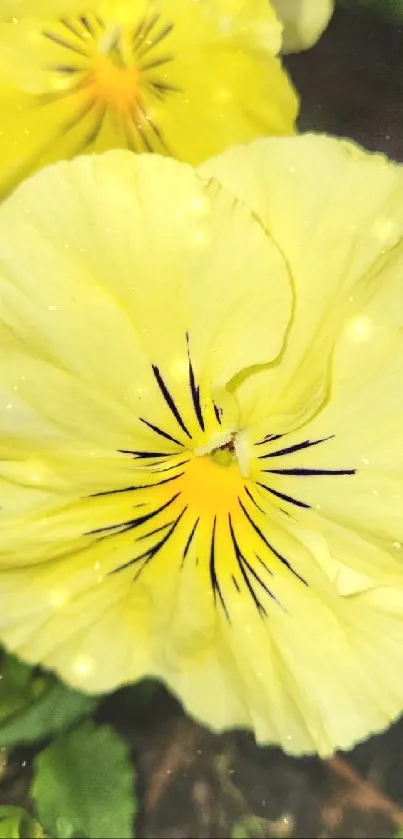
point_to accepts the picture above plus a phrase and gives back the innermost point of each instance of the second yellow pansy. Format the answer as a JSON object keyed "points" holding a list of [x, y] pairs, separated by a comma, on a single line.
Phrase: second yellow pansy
{"points": [[172, 76]]}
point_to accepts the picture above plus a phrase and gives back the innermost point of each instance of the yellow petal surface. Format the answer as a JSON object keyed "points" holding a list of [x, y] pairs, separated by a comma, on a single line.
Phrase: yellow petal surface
{"points": [[168, 507], [10, 9], [178, 78], [303, 21], [336, 241]]}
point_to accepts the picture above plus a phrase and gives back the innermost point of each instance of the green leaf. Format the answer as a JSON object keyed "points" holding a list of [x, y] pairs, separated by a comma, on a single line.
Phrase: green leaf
{"points": [[18, 685], [16, 823], [251, 827], [391, 10], [84, 785], [55, 710]]}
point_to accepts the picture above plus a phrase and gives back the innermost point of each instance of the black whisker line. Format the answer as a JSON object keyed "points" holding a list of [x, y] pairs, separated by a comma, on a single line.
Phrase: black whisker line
{"points": [[152, 552], [153, 532], [136, 522], [284, 497], [56, 39], [241, 560], [217, 413], [271, 548], [144, 29], [134, 113], [67, 69], [146, 455], [92, 135], [157, 470], [310, 473], [263, 564], [269, 439], [141, 111], [158, 62], [249, 494], [136, 487], [213, 574], [306, 444], [160, 432], [87, 25], [161, 89], [189, 541], [194, 389], [83, 112], [169, 400], [68, 24], [145, 46]]}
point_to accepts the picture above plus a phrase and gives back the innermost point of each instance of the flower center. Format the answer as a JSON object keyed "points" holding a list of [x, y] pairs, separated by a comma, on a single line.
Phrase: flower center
{"points": [[114, 86], [113, 83], [212, 483]]}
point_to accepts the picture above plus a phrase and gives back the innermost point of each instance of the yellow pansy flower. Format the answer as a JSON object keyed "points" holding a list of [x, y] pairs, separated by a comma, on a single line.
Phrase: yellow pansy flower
{"points": [[201, 433], [176, 77], [303, 21]]}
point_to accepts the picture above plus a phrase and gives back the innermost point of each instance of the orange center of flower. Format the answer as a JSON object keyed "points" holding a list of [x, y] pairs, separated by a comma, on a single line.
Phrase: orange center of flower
{"points": [[211, 486], [115, 86]]}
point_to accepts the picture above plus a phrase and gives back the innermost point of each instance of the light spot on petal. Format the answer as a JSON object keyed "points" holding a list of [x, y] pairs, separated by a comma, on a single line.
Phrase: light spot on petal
{"points": [[359, 329]]}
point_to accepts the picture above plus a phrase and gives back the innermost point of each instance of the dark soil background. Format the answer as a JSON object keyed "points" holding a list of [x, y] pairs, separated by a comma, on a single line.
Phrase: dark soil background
{"points": [[191, 782]]}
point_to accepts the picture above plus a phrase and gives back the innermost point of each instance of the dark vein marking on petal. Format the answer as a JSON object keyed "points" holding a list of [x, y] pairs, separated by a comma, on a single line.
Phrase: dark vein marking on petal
{"points": [[87, 25], [189, 541], [66, 69], [145, 455], [269, 439], [236, 584], [241, 560], [135, 522], [68, 24], [144, 29], [169, 400], [67, 44], [134, 113], [306, 444], [158, 62], [194, 389], [284, 497], [148, 555], [153, 532], [141, 111], [161, 432], [161, 89], [249, 494], [145, 46], [271, 548], [213, 574], [301, 472], [217, 412], [157, 470], [263, 564], [83, 112], [92, 135], [136, 487]]}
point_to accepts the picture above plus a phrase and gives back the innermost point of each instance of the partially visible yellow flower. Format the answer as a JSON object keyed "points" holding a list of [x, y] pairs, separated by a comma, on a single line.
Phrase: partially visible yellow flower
{"points": [[10, 9], [303, 21], [177, 77], [201, 438]]}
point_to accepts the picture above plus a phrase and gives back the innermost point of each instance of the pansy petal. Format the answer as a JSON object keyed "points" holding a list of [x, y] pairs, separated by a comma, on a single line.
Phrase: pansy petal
{"points": [[311, 193], [353, 477], [303, 21], [83, 263], [165, 622], [13, 9]]}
